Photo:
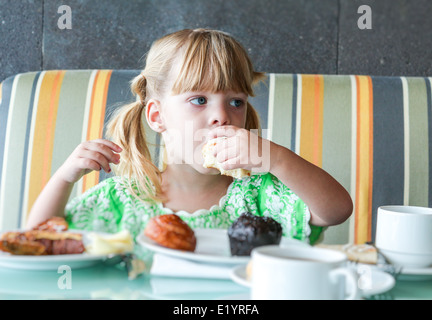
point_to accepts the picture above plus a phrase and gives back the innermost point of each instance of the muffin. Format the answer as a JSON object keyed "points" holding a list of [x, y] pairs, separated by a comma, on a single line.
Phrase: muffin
{"points": [[250, 231]]}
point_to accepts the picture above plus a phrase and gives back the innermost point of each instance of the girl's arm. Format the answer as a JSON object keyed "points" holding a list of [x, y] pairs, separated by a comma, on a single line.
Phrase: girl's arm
{"points": [[327, 200], [51, 201], [88, 156]]}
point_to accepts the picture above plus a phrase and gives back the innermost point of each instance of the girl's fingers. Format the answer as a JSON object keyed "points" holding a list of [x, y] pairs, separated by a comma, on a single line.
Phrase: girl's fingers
{"points": [[221, 145], [94, 157], [232, 163], [88, 156], [109, 144], [225, 153], [104, 149], [89, 164], [233, 156], [222, 131]]}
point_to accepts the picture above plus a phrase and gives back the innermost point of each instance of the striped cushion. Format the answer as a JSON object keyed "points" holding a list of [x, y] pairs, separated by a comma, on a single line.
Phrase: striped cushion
{"points": [[373, 134], [44, 116]]}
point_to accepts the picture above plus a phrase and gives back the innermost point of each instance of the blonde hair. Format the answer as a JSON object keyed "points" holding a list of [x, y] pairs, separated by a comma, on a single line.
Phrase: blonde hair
{"points": [[210, 60]]}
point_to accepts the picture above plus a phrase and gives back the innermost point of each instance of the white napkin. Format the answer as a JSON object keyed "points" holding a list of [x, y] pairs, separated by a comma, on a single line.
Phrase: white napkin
{"points": [[168, 266]]}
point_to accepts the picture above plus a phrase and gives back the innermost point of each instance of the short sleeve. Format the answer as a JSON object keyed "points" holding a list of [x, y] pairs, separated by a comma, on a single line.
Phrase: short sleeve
{"points": [[110, 207], [279, 202], [98, 209]]}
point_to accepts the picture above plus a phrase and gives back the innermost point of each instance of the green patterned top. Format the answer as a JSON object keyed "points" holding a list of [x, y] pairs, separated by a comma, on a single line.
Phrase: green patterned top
{"points": [[110, 207]]}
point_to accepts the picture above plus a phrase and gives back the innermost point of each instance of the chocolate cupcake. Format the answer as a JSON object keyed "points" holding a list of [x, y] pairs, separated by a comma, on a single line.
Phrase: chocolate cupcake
{"points": [[250, 231]]}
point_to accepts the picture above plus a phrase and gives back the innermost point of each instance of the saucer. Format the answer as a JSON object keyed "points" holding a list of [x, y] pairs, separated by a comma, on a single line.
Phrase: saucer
{"points": [[416, 274], [371, 280]]}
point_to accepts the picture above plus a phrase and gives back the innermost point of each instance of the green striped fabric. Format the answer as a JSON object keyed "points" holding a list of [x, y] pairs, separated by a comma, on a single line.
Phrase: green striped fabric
{"points": [[44, 116], [373, 134]]}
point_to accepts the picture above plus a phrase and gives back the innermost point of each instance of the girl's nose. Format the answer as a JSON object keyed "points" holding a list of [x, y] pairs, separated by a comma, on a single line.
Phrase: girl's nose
{"points": [[219, 117]]}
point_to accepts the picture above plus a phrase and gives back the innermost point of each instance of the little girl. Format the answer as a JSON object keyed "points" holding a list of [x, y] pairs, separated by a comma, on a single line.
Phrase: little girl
{"points": [[195, 86]]}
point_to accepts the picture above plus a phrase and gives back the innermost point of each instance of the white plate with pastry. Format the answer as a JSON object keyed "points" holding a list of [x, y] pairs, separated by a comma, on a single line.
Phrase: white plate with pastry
{"points": [[48, 249], [368, 254], [50, 261], [212, 246]]}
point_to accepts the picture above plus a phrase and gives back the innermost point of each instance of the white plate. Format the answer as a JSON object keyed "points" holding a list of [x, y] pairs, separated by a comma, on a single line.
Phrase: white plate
{"points": [[374, 281], [74, 261], [212, 246], [50, 262]]}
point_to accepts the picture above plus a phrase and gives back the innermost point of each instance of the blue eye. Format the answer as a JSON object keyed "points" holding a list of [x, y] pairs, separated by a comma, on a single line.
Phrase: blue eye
{"points": [[199, 101], [236, 103]]}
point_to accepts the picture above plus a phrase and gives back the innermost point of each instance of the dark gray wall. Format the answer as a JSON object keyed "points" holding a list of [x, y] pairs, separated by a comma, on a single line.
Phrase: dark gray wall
{"points": [[292, 36]]}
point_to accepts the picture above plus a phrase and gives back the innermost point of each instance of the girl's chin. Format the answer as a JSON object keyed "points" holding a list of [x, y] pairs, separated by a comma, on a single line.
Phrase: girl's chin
{"points": [[199, 168], [207, 171]]}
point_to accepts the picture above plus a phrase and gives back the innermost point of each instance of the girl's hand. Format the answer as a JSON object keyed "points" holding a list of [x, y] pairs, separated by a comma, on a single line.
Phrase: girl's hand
{"points": [[88, 156], [241, 149]]}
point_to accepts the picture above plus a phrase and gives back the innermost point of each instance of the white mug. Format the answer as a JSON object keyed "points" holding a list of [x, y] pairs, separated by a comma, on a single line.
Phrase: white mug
{"points": [[404, 235], [293, 272]]}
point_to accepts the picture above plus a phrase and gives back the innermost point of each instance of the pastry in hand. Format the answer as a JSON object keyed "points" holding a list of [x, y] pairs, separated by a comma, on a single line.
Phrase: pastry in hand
{"points": [[210, 161], [170, 231]]}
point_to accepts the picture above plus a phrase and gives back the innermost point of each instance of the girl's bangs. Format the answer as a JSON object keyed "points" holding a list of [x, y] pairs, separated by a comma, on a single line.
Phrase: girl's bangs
{"points": [[214, 65]]}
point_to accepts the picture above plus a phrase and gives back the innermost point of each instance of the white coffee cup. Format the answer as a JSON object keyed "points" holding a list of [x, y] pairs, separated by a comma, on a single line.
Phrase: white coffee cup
{"points": [[293, 272], [404, 235]]}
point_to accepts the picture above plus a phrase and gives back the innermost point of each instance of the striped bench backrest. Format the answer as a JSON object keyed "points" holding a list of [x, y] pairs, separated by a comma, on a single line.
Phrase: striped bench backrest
{"points": [[373, 134]]}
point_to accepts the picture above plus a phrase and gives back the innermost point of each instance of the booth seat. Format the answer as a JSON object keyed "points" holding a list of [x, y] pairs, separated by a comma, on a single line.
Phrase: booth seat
{"points": [[373, 134]]}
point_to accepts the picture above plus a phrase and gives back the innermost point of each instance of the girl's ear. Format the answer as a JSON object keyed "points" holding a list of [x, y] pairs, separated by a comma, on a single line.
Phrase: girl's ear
{"points": [[153, 116]]}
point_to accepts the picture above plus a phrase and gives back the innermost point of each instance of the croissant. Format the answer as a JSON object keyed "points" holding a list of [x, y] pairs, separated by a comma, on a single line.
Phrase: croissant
{"points": [[18, 244], [170, 231]]}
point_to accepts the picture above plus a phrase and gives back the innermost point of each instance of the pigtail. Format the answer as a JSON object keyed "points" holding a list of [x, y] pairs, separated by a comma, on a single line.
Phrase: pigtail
{"points": [[126, 129]]}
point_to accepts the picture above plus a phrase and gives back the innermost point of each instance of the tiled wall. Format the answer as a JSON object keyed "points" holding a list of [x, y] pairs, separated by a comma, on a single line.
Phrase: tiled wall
{"points": [[294, 36]]}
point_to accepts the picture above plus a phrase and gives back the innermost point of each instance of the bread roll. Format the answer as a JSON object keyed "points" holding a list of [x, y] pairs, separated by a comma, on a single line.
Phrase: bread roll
{"points": [[170, 231]]}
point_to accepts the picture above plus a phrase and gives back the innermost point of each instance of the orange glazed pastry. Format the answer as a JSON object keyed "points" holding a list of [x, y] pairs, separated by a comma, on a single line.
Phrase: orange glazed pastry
{"points": [[170, 231]]}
